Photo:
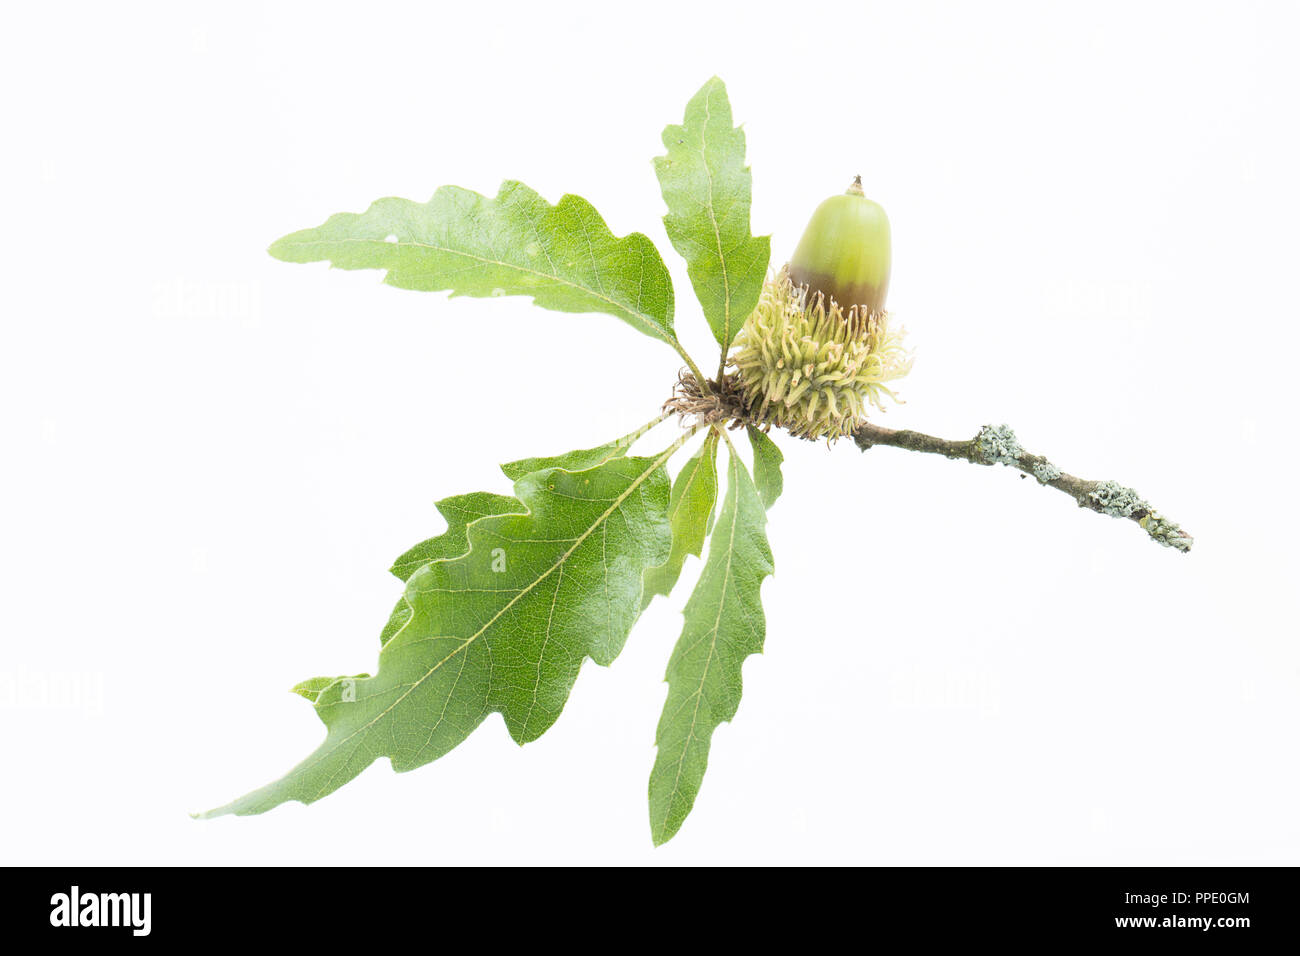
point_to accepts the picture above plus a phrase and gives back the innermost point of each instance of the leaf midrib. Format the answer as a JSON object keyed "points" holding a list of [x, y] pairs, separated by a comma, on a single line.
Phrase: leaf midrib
{"points": [[732, 477], [653, 327], [658, 462], [717, 233]]}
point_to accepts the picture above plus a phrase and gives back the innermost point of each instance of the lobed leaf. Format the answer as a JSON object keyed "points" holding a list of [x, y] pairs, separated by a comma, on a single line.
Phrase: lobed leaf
{"points": [[578, 460], [724, 624], [564, 256], [690, 512], [767, 466], [459, 511], [503, 627], [707, 186]]}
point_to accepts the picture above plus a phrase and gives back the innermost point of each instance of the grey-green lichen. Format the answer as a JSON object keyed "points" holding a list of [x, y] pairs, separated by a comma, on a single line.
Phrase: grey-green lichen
{"points": [[1166, 532], [1116, 500], [1045, 471], [998, 443]]}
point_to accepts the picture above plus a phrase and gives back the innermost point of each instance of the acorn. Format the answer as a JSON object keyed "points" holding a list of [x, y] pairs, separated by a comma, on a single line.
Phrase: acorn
{"points": [[819, 349], [844, 253]]}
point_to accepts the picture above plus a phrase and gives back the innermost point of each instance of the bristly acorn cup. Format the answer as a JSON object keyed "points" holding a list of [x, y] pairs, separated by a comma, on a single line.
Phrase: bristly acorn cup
{"points": [[818, 349]]}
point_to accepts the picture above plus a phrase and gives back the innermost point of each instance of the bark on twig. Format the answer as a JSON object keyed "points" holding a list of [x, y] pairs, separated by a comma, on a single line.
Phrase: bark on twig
{"points": [[997, 444]]}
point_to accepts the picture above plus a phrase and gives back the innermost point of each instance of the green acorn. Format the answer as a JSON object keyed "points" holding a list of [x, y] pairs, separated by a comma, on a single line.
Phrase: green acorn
{"points": [[818, 349], [844, 252]]}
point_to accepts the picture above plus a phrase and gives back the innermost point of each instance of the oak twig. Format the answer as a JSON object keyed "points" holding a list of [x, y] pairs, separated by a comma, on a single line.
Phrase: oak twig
{"points": [[997, 444]]}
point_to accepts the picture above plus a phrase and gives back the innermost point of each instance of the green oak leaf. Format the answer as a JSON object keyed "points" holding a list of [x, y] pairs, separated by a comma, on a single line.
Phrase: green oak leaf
{"points": [[724, 624], [767, 466], [706, 185], [396, 621], [517, 243], [504, 627], [578, 460], [459, 511], [690, 511]]}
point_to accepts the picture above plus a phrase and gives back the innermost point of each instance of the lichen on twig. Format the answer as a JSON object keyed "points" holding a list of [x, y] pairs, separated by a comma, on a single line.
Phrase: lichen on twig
{"points": [[997, 444], [724, 405]]}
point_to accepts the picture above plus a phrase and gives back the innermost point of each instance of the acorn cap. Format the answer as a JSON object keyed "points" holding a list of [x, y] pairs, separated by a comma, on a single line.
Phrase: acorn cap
{"points": [[844, 252], [812, 369]]}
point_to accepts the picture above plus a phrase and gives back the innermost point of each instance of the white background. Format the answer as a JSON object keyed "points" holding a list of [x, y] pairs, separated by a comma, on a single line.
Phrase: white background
{"points": [[210, 458]]}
